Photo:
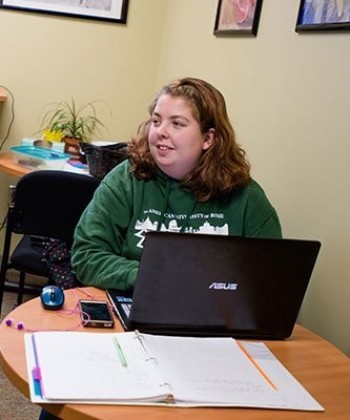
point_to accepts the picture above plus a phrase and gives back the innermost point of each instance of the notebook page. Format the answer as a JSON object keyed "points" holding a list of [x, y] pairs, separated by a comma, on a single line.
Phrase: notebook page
{"points": [[219, 371], [87, 366]]}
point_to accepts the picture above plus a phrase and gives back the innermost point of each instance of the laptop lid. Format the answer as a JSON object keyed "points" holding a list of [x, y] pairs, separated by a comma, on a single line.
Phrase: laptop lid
{"points": [[198, 284]]}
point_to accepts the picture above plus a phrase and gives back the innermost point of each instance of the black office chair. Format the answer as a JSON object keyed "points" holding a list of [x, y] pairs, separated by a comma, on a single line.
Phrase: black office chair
{"points": [[46, 204]]}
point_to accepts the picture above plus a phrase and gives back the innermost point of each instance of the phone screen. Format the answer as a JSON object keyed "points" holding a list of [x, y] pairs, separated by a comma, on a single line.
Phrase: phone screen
{"points": [[96, 314]]}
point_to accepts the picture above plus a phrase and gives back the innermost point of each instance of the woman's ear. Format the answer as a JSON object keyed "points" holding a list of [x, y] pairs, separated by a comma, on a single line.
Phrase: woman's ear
{"points": [[209, 139]]}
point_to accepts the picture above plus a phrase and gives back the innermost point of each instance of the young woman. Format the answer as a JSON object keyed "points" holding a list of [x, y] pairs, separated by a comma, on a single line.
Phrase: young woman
{"points": [[185, 173]]}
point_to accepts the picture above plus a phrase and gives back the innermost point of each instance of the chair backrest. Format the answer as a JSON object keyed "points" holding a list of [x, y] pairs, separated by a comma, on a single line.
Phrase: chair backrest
{"points": [[49, 203]]}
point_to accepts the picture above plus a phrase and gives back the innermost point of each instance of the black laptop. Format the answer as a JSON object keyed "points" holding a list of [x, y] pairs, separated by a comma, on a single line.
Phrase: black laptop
{"points": [[214, 285]]}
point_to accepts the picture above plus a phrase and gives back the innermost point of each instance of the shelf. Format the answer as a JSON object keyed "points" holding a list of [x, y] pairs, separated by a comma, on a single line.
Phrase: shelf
{"points": [[3, 95]]}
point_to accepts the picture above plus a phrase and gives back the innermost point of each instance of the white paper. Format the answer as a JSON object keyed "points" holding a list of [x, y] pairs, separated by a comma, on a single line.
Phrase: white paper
{"points": [[79, 366]]}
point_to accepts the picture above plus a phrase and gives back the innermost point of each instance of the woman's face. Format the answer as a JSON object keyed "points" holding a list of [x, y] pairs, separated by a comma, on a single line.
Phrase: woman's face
{"points": [[175, 139]]}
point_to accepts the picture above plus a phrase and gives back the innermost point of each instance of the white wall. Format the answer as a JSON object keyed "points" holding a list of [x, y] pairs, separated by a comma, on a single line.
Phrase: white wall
{"points": [[289, 98], [47, 59]]}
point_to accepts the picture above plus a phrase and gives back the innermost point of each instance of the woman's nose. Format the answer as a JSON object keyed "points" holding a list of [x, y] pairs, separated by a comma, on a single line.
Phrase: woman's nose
{"points": [[162, 130]]}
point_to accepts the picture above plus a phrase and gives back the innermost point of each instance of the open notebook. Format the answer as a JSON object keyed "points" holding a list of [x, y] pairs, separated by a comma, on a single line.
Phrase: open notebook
{"points": [[134, 368], [211, 285]]}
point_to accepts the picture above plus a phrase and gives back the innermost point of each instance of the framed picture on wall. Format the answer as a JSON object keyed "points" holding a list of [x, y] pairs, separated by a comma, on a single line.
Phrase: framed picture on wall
{"points": [[237, 17], [108, 10], [323, 15]]}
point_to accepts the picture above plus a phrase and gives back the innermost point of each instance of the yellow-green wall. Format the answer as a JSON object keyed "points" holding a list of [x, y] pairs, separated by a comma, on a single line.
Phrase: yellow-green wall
{"points": [[287, 94]]}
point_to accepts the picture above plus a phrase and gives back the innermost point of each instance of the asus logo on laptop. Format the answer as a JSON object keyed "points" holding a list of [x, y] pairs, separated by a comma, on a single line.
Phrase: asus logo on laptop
{"points": [[223, 286]]}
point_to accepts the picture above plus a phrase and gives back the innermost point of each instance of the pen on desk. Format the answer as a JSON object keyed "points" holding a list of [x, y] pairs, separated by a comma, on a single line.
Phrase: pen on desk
{"points": [[256, 365], [36, 373], [120, 352]]}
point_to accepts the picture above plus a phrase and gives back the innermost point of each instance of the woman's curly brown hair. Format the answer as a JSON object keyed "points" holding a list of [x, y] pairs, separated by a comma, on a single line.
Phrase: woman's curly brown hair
{"points": [[223, 167]]}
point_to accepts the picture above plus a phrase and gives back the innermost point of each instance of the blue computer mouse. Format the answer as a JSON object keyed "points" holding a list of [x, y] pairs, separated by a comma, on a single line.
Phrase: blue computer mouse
{"points": [[52, 297]]}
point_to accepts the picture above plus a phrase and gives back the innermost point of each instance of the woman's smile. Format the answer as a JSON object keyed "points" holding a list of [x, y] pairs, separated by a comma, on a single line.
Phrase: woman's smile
{"points": [[163, 147]]}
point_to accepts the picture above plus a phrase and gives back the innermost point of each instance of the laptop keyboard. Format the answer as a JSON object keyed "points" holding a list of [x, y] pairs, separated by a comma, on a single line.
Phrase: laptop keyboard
{"points": [[125, 303], [126, 308]]}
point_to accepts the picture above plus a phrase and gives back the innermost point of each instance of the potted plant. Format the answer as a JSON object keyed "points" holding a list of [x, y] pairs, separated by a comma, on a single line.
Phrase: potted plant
{"points": [[70, 123]]}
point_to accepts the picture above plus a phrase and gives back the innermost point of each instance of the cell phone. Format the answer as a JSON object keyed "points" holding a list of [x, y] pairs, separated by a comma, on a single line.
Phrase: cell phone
{"points": [[96, 313]]}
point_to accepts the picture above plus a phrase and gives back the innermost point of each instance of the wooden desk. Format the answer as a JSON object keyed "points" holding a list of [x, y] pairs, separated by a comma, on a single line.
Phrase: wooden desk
{"points": [[322, 369], [8, 166]]}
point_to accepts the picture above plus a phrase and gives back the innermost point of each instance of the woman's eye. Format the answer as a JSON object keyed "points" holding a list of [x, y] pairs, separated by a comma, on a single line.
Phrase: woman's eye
{"points": [[155, 121], [178, 124]]}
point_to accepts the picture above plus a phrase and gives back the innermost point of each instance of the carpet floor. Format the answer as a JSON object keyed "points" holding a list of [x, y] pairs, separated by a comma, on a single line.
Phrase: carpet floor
{"points": [[14, 405]]}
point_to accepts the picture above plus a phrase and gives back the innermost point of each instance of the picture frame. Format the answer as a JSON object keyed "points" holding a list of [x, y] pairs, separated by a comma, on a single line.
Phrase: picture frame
{"points": [[105, 10], [323, 15], [237, 17]]}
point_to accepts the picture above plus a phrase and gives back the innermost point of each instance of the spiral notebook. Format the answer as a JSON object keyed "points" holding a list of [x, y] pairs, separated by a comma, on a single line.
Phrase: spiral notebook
{"points": [[213, 285]]}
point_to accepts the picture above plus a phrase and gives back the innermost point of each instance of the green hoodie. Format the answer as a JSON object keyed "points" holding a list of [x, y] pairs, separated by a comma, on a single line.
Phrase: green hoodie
{"points": [[110, 234]]}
